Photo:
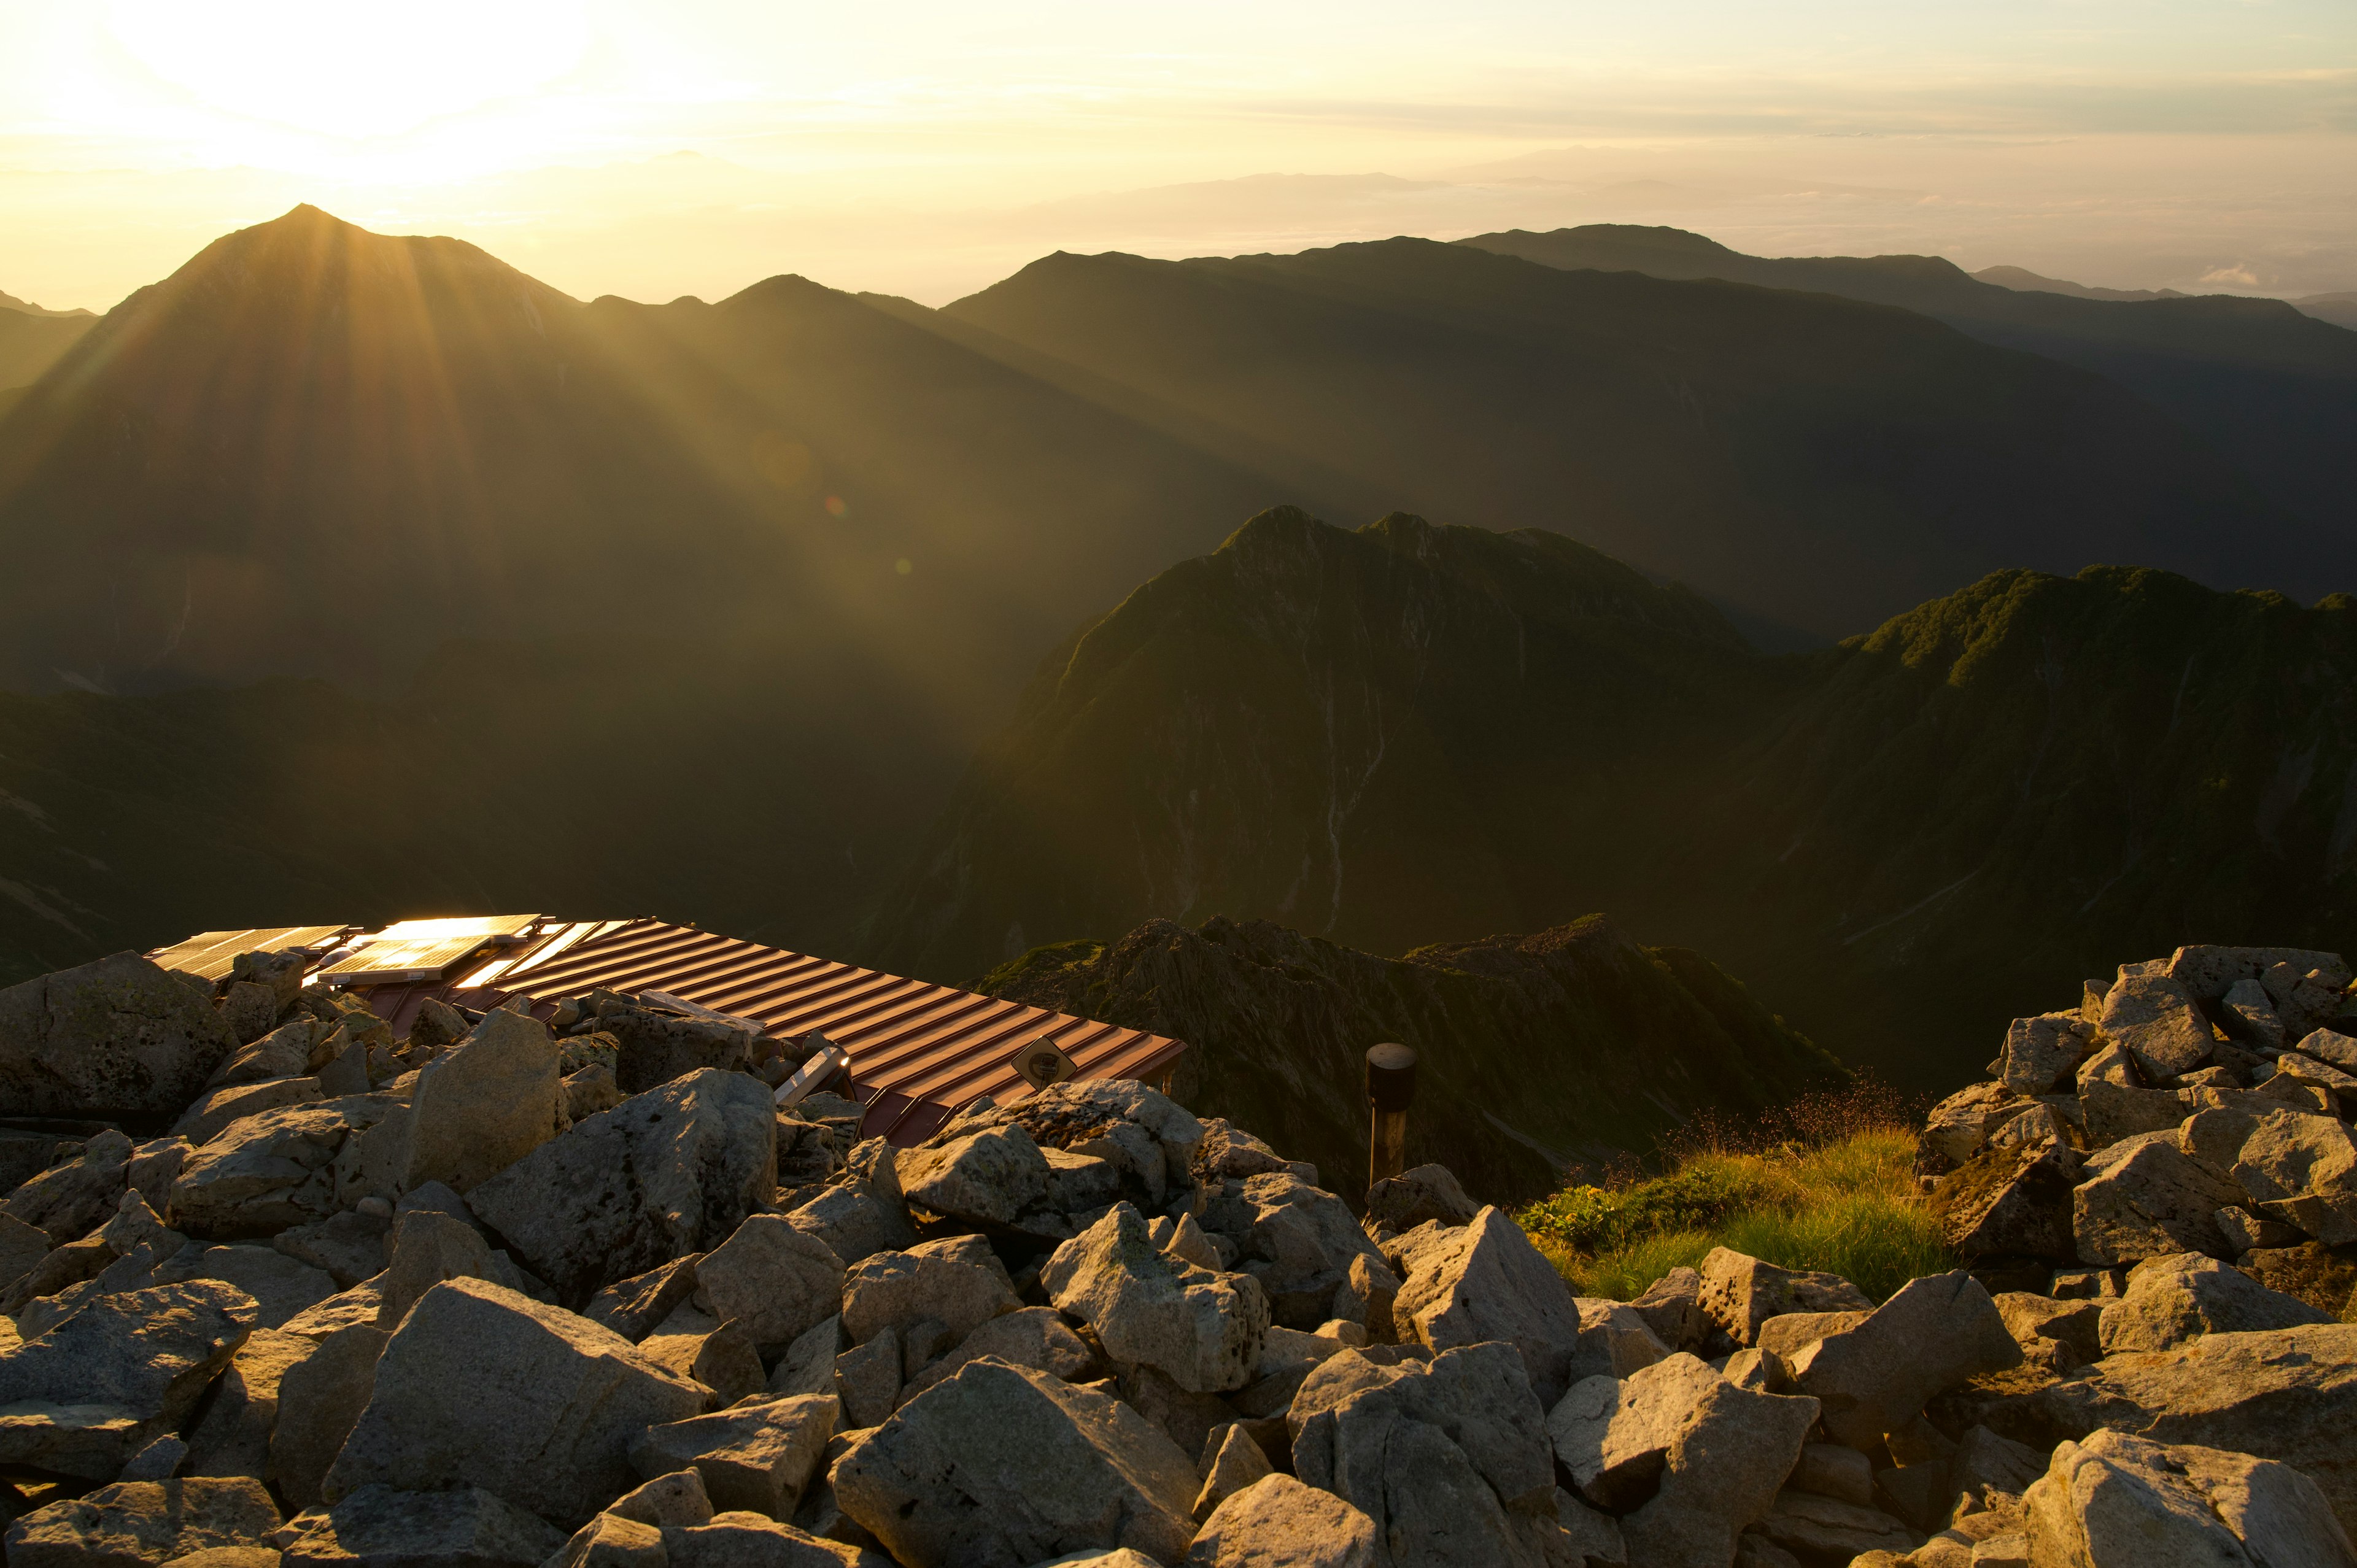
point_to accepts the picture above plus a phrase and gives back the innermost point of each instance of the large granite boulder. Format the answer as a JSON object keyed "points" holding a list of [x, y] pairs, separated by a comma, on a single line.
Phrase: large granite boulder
{"points": [[1204, 1329], [991, 1177], [483, 1387], [272, 1170], [2010, 1202], [776, 1281], [2118, 1501], [83, 1398], [754, 1457], [119, 1036], [1738, 1293], [141, 1522], [2295, 1166], [2170, 1301], [1875, 1376], [666, 1172], [2155, 1019], [1276, 1519], [1006, 1465], [484, 1104], [2145, 1198], [379, 1526], [942, 1282], [1299, 1241], [74, 1197], [1483, 1281]]}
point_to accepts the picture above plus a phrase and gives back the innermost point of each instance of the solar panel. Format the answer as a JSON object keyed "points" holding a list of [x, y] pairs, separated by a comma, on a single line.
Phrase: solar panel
{"points": [[212, 953], [425, 949]]}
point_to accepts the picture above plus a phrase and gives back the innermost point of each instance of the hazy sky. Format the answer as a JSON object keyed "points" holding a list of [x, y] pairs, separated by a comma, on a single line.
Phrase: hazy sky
{"points": [[697, 145]]}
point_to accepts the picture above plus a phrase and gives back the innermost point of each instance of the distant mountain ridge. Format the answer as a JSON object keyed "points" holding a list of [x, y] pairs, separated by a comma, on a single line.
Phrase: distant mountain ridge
{"points": [[2023, 278], [2269, 385], [10, 302]]}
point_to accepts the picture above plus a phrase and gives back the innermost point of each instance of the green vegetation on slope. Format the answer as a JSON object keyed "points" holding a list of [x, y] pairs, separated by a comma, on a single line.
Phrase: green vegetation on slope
{"points": [[1567, 1048], [1838, 1196]]}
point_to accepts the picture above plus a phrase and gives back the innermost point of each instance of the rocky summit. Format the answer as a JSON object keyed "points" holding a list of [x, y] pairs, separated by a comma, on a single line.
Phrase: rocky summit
{"points": [[495, 1294]]}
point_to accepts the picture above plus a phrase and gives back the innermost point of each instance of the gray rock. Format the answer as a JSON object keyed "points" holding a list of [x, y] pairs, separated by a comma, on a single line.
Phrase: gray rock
{"points": [[1234, 1462], [1415, 1197], [1034, 1336], [1301, 1242], [484, 1104], [756, 1456], [378, 1527], [1819, 1530], [116, 1038], [427, 1248], [1671, 1307], [933, 1280], [664, 1174], [1367, 1296], [633, 1307], [677, 1498], [1151, 1141], [233, 1437], [281, 1286], [482, 1386], [272, 1170], [1739, 1292], [1204, 1329], [1932, 1335], [2042, 1052], [1830, 1470], [2250, 1016], [991, 1177], [2332, 1046], [2208, 971], [203, 1120], [1484, 1282], [868, 1379], [280, 1052], [2172, 1300], [21, 1248], [70, 1199], [2010, 1202], [2053, 1333], [2115, 1111], [134, 1523], [743, 1540], [862, 1215], [83, 1398], [808, 1365], [2154, 1017], [159, 1461], [319, 1396], [348, 1246], [2287, 1394], [361, 1303], [1276, 1519], [1614, 1338], [657, 1047], [2294, 1166], [589, 1091], [1005, 1464], [776, 1281], [1449, 1459], [2145, 1197], [2120, 1501]]}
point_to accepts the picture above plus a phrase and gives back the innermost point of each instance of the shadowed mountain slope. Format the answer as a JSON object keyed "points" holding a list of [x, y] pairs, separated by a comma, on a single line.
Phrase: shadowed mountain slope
{"points": [[1536, 1053], [1410, 735], [31, 342], [2270, 385]]}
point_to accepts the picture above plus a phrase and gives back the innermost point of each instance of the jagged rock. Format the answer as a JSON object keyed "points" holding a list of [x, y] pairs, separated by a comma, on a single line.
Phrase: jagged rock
{"points": [[2117, 1111], [1001, 1464], [675, 1498], [2250, 1016], [862, 1212], [2155, 1019], [572, 1396], [159, 1461], [2287, 1394], [1612, 1436], [657, 1047], [361, 1303], [2055, 1335], [664, 1174], [756, 1457], [117, 1037], [1297, 1241], [2297, 1168], [1671, 1307], [134, 1523], [721, 1357], [233, 1436], [1954, 1129], [2041, 1052], [1151, 1141], [1449, 1459], [1614, 1338], [1228, 1151], [1739, 1292], [1484, 1280], [320, 1396], [348, 1246], [774, 1280], [2208, 971], [67, 1200], [272, 1170], [989, 1177], [930, 1280], [378, 1527], [1204, 1329], [1830, 1470], [21, 1248], [742, 1539], [281, 1286], [1818, 1529], [1276, 1519], [94, 1391], [2011, 1202], [2332, 1046], [808, 1365], [483, 1104], [1190, 1243], [2172, 1300], [1236, 1462], [1417, 1196], [2145, 1197], [2117, 1500], [1368, 1296], [281, 1053], [1034, 1336], [633, 1307], [1931, 1335], [205, 1120]]}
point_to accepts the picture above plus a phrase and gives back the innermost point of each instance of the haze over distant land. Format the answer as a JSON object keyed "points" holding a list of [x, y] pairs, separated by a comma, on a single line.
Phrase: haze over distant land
{"points": [[926, 152]]}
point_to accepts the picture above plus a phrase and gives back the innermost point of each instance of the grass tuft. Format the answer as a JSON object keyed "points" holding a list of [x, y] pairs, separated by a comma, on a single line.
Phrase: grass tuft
{"points": [[1834, 1191]]}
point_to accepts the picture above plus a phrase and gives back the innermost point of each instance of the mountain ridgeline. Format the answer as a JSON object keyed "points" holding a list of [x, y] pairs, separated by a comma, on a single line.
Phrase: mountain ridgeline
{"points": [[1413, 733]]}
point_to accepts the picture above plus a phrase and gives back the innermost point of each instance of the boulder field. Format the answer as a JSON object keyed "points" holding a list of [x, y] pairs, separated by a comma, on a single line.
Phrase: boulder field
{"points": [[499, 1295]]}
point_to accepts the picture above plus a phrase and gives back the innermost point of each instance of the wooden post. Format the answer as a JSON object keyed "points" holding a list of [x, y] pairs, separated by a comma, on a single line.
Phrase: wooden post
{"points": [[1391, 1085]]}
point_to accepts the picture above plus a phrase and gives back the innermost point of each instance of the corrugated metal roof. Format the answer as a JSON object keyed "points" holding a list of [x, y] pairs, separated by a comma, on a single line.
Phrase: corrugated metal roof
{"points": [[918, 1052]]}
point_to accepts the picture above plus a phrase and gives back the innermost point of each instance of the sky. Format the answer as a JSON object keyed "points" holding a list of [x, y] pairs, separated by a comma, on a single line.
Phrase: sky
{"points": [[696, 146]]}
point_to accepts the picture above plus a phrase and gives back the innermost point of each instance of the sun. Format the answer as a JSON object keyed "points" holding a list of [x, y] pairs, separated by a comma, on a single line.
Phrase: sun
{"points": [[336, 68]]}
